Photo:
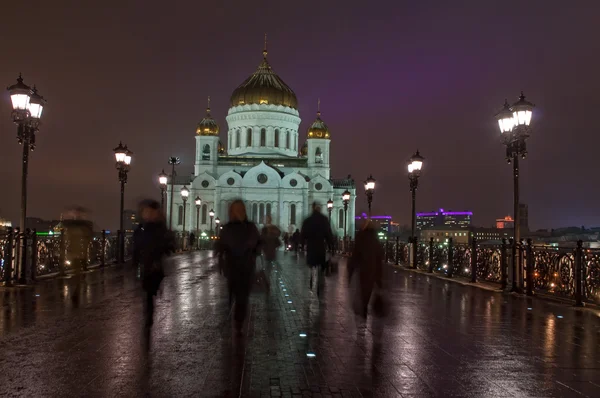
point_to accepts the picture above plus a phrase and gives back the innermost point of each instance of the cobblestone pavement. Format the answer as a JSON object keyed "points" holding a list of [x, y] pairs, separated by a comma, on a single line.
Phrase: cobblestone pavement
{"points": [[440, 339]]}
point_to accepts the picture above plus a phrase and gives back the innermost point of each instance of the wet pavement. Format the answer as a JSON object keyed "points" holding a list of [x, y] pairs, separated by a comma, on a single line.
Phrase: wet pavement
{"points": [[440, 339]]}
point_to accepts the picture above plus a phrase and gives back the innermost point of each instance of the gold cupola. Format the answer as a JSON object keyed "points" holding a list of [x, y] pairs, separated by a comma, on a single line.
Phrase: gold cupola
{"points": [[207, 126], [264, 87], [318, 129]]}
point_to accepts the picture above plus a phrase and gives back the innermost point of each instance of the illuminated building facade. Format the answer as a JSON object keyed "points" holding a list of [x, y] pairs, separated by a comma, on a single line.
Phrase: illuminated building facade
{"points": [[459, 219], [262, 163], [505, 223]]}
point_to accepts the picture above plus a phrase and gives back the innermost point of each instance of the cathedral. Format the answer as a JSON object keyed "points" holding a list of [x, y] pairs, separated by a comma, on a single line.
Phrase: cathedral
{"points": [[262, 164]]}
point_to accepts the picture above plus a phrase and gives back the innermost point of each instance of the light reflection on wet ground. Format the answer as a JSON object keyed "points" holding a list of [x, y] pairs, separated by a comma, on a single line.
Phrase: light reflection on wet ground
{"points": [[440, 339]]}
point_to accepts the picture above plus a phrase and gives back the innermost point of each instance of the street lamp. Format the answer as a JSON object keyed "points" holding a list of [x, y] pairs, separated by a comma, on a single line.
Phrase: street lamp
{"points": [[123, 162], [162, 181], [369, 189], [173, 161], [415, 164], [218, 223], [198, 202], [211, 214], [184, 196], [27, 110], [514, 129], [329, 209], [346, 200]]}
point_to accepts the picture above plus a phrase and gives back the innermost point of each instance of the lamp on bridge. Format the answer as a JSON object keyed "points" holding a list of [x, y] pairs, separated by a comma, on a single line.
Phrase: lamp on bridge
{"points": [[162, 181], [218, 223], [198, 202], [415, 163], [514, 121], [123, 162], [346, 200], [211, 214], [27, 107], [369, 189], [329, 208], [185, 193]]}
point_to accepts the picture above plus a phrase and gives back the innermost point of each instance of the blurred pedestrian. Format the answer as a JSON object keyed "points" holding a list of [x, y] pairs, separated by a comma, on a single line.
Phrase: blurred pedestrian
{"points": [[237, 248], [316, 233], [78, 233], [270, 240], [286, 241], [137, 246], [155, 243], [367, 262], [192, 244], [296, 240]]}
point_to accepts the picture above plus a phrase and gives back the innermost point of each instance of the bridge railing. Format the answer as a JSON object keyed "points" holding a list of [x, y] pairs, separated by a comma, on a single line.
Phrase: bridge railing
{"points": [[26, 256], [548, 270]]}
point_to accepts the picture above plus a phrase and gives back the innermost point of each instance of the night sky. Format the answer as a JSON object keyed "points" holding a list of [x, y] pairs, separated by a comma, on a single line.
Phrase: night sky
{"points": [[393, 76]]}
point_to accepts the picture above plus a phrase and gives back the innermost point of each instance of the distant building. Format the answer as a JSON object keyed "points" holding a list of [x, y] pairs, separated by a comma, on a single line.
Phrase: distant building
{"points": [[4, 224], [130, 220], [460, 219], [461, 235], [384, 223], [505, 223], [40, 225], [442, 234]]}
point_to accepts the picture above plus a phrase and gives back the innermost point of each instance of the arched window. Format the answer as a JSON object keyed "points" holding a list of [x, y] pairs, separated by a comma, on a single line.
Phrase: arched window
{"points": [[293, 214], [203, 214], [261, 214], [237, 139], [206, 152], [179, 215], [269, 209], [263, 137], [295, 146], [249, 137], [276, 138], [287, 140], [254, 212], [318, 156], [341, 218]]}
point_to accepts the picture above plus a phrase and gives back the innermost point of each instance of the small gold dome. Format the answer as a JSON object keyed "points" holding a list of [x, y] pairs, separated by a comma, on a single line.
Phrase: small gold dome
{"points": [[318, 129], [304, 150], [264, 87], [221, 149], [207, 126]]}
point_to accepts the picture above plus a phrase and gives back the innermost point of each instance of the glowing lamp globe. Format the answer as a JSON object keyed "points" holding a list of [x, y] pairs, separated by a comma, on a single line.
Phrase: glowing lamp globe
{"points": [[505, 118], [415, 163], [185, 192], [36, 104], [370, 184], [211, 213], [522, 111], [198, 201], [346, 196], [120, 154], [20, 95], [330, 204], [162, 179]]}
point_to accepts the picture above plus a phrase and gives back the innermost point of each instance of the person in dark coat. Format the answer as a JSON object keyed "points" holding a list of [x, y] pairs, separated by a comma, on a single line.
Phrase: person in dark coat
{"points": [[237, 248], [137, 246], [154, 244], [78, 233], [296, 240], [367, 261], [316, 234]]}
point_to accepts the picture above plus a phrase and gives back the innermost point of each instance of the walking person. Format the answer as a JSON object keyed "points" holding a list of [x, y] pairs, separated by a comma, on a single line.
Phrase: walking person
{"points": [[367, 262], [296, 240], [78, 232], [155, 243], [270, 242], [316, 233], [237, 249]]}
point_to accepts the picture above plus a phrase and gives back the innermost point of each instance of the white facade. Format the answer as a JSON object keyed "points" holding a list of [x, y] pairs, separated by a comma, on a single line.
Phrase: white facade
{"points": [[261, 165]]}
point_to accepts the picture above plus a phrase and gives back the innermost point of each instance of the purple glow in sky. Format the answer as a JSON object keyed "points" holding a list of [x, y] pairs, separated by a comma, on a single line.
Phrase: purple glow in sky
{"points": [[393, 77]]}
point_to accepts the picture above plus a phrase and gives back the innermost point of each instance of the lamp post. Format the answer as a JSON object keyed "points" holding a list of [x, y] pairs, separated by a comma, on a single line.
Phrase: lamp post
{"points": [[198, 202], [346, 200], [218, 224], [173, 161], [27, 107], [415, 164], [162, 181], [211, 214], [184, 196], [123, 162], [369, 189], [329, 209], [514, 129]]}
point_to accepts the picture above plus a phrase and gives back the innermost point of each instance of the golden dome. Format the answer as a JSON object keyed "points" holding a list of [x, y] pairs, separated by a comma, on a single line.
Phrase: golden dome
{"points": [[207, 126], [264, 87], [304, 150], [318, 129]]}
